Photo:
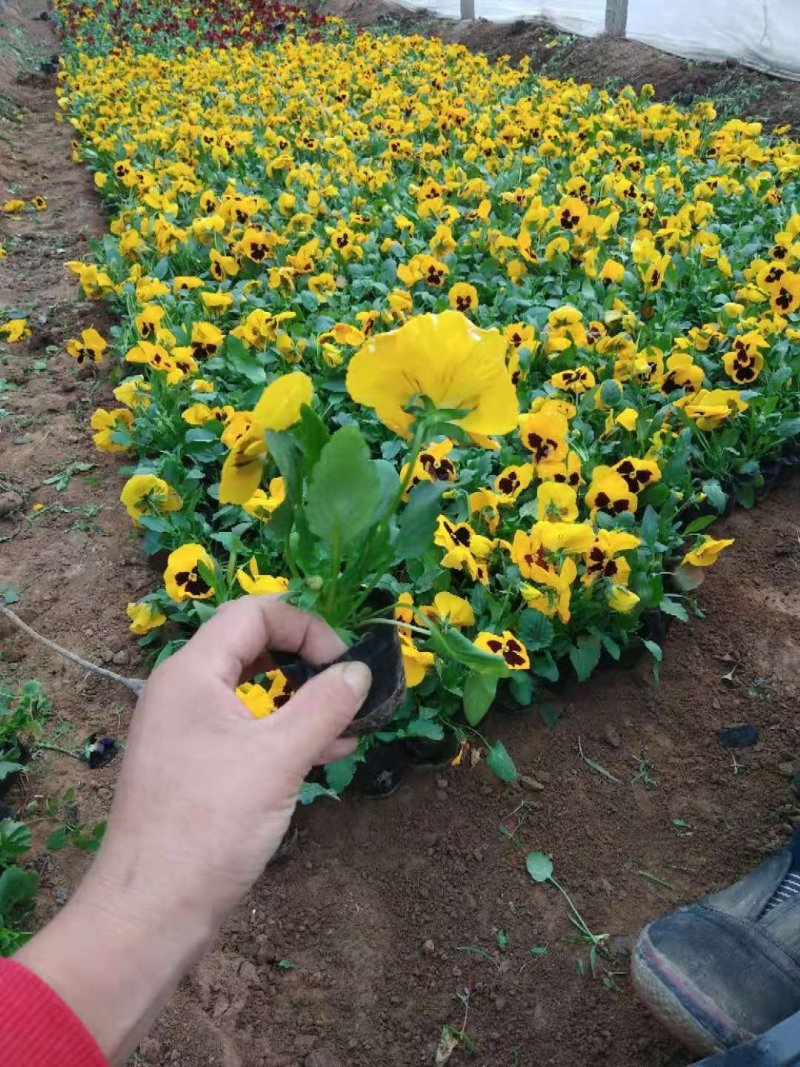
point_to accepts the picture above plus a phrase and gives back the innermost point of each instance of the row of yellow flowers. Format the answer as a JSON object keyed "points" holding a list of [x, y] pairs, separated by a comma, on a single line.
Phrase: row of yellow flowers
{"points": [[601, 291]]}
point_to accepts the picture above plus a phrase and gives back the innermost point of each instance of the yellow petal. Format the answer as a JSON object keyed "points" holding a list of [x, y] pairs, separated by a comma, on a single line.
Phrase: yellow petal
{"points": [[280, 403]]}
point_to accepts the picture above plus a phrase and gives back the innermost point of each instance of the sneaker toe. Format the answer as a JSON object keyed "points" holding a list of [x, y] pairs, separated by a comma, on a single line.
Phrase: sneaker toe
{"points": [[713, 980]]}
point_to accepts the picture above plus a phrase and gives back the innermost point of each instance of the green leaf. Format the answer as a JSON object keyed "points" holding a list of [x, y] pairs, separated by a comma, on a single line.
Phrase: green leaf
{"points": [[418, 520], [544, 666], [8, 767], [702, 522], [311, 791], [714, 494], [17, 891], [344, 488], [57, 840], [15, 839], [241, 360], [521, 685], [540, 867], [789, 428], [313, 435], [610, 645], [198, 435], [650, 526], [501, 940], [655, 650], [287, 454], [585, 655], [674, 608], [451, 644], [500, 762], [534, 630], [203, 612], [340, 773], [388, 488], [539, 951], [479, 692], [429, 728], [657, 654]]}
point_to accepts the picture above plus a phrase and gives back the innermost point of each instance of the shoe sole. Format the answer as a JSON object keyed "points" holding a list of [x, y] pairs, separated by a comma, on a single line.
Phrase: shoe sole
{"points": [[690, 1016]]}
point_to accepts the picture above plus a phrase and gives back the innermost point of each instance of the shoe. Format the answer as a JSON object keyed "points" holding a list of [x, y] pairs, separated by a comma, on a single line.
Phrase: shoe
{"points": [[778, 1047], [725, 969]]}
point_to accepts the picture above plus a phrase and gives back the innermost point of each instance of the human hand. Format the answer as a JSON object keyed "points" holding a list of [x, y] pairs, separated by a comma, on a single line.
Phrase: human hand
{"points": [[206, 791], [204, 798]]}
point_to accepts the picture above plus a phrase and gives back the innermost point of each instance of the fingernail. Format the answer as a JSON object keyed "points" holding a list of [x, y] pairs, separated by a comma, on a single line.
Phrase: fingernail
{"points": [[358, 676]]}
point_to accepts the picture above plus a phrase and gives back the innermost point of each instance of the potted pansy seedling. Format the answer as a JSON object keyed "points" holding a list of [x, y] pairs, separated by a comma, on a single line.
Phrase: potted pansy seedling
{"points": [[348, 521]]}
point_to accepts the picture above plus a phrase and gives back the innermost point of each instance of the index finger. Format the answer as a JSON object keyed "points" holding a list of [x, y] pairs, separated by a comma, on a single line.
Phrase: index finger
{"points": [[242, 632]]}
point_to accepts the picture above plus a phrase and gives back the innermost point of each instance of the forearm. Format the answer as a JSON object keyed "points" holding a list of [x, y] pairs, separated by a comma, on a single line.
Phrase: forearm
{"points": [[114, 962]]}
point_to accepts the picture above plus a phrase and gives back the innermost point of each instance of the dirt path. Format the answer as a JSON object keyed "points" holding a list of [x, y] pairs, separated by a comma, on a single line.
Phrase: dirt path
{"points": [[72, 561], [375, 908]]}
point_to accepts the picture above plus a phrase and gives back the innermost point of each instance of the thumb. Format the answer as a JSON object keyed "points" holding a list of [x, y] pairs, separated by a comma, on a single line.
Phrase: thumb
{"points": [[304, 728]]}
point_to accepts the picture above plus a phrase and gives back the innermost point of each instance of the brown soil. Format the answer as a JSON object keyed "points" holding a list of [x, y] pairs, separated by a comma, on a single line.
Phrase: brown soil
{"points": [[383, 904]]}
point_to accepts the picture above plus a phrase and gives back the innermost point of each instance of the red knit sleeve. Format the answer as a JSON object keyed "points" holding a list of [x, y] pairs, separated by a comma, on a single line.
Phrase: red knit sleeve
{"points": [[37, 1029]]}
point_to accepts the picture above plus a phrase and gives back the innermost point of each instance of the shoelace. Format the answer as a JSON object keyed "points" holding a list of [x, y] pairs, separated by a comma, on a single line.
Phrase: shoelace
{"points": [[789, 887]]}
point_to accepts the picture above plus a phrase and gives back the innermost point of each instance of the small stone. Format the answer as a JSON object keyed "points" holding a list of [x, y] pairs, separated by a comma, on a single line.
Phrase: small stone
{"points": [[121, 657], [787, 769], [530, 783], [428, 947], [742, 735], [9, 503], [60, 896], [611, 735], [105, 656], [441, 783]]}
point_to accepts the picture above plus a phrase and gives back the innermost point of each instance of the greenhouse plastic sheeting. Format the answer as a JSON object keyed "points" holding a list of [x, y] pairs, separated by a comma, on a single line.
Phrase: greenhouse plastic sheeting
{"points": [[585, 17], [761, 33]]}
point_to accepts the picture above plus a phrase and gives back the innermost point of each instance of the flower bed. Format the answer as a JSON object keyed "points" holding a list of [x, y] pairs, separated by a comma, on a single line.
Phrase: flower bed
{"points": [[564, 322]]}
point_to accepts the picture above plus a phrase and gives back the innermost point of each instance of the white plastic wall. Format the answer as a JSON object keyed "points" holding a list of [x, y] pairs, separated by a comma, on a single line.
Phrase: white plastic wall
{"points": [[760, 33]]}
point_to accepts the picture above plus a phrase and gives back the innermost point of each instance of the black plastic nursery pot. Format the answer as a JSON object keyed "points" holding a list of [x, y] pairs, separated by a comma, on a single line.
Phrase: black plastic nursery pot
{"points": [[425, 752], [383, 769], [379, 649]]}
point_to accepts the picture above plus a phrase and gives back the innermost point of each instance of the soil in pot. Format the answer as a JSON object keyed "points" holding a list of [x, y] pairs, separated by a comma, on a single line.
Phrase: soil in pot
{"points": [[423, 752], [383, 769]]}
